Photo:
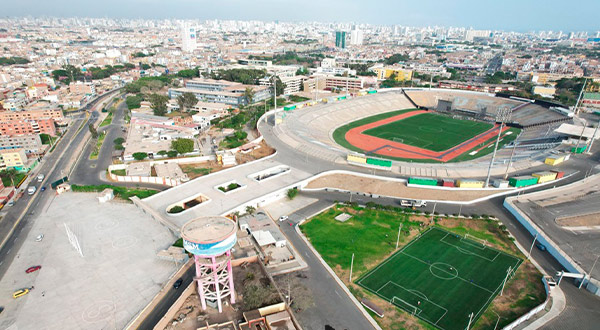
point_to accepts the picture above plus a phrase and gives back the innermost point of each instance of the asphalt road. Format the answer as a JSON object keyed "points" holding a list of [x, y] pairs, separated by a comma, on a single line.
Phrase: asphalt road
{"points": [[332, 306], [167, 301]]}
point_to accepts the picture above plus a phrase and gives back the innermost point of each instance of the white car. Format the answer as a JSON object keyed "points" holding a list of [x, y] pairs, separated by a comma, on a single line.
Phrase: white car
{"points": [[39, 238], [283, 218]]}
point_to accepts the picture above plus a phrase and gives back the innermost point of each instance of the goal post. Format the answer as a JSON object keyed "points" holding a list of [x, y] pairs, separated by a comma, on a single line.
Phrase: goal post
{"points": [[478, 240], [412, 309]]}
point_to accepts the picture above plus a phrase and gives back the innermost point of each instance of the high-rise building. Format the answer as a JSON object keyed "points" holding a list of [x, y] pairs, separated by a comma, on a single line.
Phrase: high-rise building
{"points": [[356, 37], [340, 39], [188, 38]]}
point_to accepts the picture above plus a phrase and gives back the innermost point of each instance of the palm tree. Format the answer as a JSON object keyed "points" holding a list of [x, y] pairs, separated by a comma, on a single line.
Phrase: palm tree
{"points": [[249, 94], [10, 173]]}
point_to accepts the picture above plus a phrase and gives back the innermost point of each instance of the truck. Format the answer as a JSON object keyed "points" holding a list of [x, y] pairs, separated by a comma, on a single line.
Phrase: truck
{"points": [[40, 178], [412, 203], [31, 190]]}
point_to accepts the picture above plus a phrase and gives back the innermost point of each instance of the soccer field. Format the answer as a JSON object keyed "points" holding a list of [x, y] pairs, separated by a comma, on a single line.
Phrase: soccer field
{"points": [[430, 131], [441, 278]]}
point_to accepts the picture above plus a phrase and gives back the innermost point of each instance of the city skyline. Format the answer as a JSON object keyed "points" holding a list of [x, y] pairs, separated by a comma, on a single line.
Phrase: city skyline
{"points": [[509, 15]]}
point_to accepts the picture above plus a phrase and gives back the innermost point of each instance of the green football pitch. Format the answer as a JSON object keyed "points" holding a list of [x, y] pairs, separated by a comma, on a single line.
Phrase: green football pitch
{"points": [[441, 278], [430, 131]]}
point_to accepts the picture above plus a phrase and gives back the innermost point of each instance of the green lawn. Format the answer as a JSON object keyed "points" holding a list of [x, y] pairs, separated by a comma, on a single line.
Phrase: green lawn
{"points": [[339, 135], [430, 131], [107, 120], [121, 192], [369, 234], [441, 278]]}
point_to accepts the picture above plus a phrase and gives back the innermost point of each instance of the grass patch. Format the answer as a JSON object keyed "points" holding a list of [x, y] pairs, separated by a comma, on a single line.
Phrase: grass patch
{"points": [[200, 171], [96, 151], [18, 177], [430, 131], [108, 120], [229, 187], [121, 192], [119, 172]]}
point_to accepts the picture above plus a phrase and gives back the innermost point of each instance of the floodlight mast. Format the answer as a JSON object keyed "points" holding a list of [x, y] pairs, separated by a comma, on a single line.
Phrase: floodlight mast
{"points": [[502, 116]]}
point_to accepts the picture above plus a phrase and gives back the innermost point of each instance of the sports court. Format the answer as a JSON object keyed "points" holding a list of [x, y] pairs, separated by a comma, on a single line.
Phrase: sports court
{"points": [[430, 131], [442, 278]]}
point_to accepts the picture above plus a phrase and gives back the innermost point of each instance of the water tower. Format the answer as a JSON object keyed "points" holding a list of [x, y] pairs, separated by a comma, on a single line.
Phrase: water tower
{"points": [[210, 240]]}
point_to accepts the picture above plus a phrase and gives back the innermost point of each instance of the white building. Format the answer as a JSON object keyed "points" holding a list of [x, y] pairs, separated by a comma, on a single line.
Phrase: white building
{"points": [[188, 38], [356, 37]]}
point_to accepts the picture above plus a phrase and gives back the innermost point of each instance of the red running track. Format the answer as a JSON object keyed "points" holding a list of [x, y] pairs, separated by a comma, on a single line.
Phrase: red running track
{"points": [[389, 148]]}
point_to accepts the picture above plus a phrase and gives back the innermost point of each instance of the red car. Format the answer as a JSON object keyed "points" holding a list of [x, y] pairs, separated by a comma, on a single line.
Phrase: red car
{"points": [[32, 269]]}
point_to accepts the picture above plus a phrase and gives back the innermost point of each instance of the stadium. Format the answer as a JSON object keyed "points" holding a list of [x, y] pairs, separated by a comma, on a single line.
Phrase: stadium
{"points": [[424, 126]]}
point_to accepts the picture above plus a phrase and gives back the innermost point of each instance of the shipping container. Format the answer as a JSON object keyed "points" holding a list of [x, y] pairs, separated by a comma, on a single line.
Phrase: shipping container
{"points": [[423, 181], [522, 181], [465, 183], [578, 150], [448, 183], [554, 160], [371, 92], [544, 176], [357, 159], [341, 98], [559, 174], [379, 162], [289, 107], [499, 183]]}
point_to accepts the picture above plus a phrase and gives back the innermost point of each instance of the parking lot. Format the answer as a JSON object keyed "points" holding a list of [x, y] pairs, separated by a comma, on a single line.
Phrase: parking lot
{"points": [[117, 276]]}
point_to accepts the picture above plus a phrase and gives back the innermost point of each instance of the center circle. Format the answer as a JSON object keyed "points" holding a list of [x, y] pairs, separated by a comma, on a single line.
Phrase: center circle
{"points": [[443, 271]]}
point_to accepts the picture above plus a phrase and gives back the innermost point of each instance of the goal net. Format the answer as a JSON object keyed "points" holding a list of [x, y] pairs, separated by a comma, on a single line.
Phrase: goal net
{"points": [[478, 240], [412, 309]]}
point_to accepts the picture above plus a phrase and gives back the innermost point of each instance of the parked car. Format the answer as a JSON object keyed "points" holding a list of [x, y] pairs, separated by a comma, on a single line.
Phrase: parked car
{"points": [[10, 203], [540, 246], [33, 269], [39, 237], [283, 218], [178, 283], [20, 293], [43, 188]]}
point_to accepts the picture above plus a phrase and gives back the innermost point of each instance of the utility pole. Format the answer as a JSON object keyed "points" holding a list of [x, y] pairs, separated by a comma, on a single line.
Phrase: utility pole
{"points": [[511, 158], [580, 136], [591, 139], [503, 115], [398, 239], [459, 210], [433, 212], [505, 279], [470, 320], [579, 97], [531, 248], [351, 266]]}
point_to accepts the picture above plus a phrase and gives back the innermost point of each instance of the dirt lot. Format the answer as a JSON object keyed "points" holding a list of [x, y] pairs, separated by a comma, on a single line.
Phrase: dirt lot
{"points": [[580, 221], [264, 151], [395, 189]]}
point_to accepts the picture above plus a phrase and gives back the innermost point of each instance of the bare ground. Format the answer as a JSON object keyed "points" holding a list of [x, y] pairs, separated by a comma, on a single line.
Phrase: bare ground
{"points": [[580, 221], [395, 189]]}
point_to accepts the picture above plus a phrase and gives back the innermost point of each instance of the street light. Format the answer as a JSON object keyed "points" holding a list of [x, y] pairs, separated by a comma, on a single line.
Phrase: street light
{"points": [[502, 116]]}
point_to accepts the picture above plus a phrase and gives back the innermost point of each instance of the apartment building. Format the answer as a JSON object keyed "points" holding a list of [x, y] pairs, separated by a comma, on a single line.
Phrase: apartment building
{"points": [[292, 84], [32, 114], [32, 143], [13, 158], [334, 82], [221, 91], [14, 103], [82, 88], [27, 127]]}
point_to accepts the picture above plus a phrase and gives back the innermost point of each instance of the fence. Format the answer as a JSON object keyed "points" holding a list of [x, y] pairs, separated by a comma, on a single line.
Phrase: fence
{"points": [[139, 179], [532, 312]]}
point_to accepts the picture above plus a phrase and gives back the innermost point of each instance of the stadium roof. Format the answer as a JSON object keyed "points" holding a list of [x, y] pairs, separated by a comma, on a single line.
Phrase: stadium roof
{"points": [[574, 130]]}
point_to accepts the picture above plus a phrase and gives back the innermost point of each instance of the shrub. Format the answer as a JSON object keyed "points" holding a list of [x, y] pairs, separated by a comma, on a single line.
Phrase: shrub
{"points": [[291, 193], [139, 155], [176, 209], [171, 153], [119, 140]]}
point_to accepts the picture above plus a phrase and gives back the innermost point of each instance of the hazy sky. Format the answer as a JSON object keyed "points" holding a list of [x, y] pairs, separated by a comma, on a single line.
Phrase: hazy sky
{"points": [[517, 15]]}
